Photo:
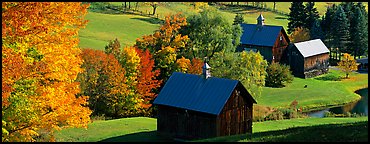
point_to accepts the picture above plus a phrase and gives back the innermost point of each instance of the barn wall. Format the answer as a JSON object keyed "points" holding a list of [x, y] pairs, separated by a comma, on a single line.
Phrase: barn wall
{"points": [[178, 123], [311, 62], [279, 47], [296, 61], [236, 116]]}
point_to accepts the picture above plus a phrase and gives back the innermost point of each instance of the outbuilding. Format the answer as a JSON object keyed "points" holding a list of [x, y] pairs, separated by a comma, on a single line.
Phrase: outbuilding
{"points": [[308, 59], [200, 106]]}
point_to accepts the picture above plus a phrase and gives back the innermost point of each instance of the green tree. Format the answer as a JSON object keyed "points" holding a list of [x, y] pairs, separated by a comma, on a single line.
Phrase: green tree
{"points": [[340, 30], [316, 31], [297, 16], [326, 24], [210, 32], [357, 33], [239, 19], [278, 75], [311, 13], [247, 67]]}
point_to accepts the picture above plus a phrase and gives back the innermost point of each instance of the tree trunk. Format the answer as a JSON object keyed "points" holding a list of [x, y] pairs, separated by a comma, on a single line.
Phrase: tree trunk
{"points": [[136, 6], [154, 8], [125, 4], [129, 5], [237, 3], [274, 5]]}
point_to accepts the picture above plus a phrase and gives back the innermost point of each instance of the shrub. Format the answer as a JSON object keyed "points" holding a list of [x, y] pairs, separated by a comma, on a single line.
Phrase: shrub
{"points": [[277, 75], [276, 115]]}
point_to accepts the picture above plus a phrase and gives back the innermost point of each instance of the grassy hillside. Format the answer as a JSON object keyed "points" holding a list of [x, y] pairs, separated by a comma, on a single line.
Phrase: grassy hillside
{"points": [[104, 27], [144, 129], [321, 91]]}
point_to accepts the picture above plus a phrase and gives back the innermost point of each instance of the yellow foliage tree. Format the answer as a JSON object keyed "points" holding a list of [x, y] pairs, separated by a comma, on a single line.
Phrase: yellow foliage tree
{"points": [[299, 35], [347, 64], [40, 96]]}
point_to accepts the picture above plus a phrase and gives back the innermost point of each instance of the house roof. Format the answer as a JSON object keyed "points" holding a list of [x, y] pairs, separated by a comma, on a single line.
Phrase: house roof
{"points": [[363, 60], [195, 93], [311, 47], [254, 34]]}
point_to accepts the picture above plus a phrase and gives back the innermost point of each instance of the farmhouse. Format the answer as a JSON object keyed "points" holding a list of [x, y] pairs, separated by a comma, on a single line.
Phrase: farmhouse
{"points": [[200, 106], [269, 40], [308, 58]]}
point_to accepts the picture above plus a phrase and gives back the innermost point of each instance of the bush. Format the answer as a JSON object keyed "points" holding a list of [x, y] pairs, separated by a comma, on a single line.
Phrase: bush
{"points": [[276, 115], [277, 75]]}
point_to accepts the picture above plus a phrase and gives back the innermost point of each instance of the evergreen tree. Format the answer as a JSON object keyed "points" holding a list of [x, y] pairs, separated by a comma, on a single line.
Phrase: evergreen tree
{"points": [[326, 24], [364, 49], [311, 13], [340, 30], [357, 35], [316, 31], [239, 19], [297, 16]]}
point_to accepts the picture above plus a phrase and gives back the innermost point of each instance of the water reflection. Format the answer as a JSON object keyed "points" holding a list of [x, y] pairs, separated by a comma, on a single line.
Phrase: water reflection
{"points": [[359, 107]]}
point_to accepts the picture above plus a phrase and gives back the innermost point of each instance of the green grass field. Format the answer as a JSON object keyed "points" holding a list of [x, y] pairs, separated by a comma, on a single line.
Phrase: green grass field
{"points": [[321, 91], [140, 129], [102, 28]]}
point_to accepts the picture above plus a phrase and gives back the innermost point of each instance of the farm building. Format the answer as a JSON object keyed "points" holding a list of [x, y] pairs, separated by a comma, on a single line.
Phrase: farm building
{"points": [[308, 58], [363, 66], [271, 41], [200, 106]]}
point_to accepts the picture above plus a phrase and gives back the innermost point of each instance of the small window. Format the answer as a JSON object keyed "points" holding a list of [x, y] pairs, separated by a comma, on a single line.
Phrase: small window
{"points": [[281, 38]]}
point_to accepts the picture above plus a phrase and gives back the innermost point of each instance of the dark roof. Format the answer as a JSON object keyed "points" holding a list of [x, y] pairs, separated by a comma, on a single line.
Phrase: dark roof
{"points": [[363, 60], [265, 35], [195, 93], [311, 47]]}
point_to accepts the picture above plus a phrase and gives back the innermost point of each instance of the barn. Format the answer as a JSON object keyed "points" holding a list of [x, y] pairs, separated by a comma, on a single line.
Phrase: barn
{"points": [[271, 41], [308, 59], [200, 106]]}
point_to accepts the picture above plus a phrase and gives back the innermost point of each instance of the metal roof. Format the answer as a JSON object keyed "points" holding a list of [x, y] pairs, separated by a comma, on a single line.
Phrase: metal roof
{"points": [[195, 93], [363, 60], [265, 35], [311, 47]]}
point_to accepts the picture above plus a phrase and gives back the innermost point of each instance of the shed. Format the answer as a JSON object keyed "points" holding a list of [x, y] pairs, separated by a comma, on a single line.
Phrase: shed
{"points": [[271, 41], [363, 66], [308, 58], [200, 106]]}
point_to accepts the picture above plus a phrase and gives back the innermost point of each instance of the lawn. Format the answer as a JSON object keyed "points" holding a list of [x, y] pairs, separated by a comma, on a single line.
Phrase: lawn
{"points": [[144, 129], [321, 91], [102, 28]]}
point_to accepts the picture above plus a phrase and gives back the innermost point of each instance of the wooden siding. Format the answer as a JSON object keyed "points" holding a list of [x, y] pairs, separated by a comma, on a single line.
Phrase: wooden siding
{"points": [[185, 124], [279, 47], [236, 116], [295, 61], [311, 62]]}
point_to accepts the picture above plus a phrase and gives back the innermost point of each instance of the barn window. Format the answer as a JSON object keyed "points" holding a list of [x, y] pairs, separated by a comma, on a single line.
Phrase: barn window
{"points": [[281, 38]]}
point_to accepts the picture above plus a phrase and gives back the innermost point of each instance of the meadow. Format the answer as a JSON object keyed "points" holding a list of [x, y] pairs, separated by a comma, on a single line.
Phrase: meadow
{"points": [[321, 92], [143, 129]]}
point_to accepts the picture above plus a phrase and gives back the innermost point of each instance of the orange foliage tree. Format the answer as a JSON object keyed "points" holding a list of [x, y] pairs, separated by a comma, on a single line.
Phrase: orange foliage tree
{"points": [[41, 60], [166, 45], [299, 35]]}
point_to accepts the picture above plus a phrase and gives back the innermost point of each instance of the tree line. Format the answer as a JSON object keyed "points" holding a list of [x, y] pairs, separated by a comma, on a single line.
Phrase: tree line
{"points": [[343, 27]]}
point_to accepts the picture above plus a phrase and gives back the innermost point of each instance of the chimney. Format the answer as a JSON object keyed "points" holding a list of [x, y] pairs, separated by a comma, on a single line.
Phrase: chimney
{"points": [[206, 69]]}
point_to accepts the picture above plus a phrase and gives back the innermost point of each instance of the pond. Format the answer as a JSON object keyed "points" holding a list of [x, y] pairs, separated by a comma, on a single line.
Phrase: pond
{"points": [[359, 107]]}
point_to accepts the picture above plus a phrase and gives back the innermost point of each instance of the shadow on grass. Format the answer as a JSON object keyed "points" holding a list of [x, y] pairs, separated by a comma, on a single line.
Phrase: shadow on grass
{"points": [[329, 78], [348, 132], [278, 17], [149, 136], [150, 20]]}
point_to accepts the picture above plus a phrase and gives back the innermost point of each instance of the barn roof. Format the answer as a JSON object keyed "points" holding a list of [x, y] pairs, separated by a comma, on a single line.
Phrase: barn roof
{"points": [[311, 47], [265, 35], [195, 93]]}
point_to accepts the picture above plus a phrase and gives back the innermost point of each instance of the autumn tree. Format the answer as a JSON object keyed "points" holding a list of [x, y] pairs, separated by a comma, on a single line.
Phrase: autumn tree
{"points": [[195, 66], [147, 79], [40, 63], [166, 45], [299, 35], [347, 64]]}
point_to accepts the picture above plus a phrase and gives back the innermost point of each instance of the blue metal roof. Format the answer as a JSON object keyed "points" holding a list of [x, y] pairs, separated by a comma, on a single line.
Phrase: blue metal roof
{"points": [[195, 93], [265, 35]]}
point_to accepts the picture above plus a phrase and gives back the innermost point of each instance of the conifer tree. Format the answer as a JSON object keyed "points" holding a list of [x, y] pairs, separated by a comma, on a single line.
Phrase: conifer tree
{"points": [[316, 31], [297, 16], [340, 30], [311, 13], [357, 34]]}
